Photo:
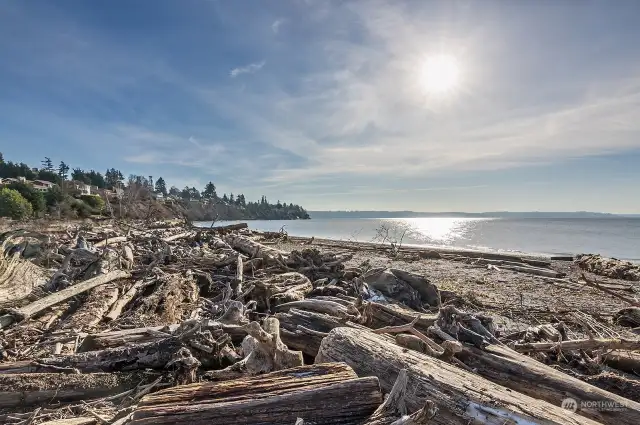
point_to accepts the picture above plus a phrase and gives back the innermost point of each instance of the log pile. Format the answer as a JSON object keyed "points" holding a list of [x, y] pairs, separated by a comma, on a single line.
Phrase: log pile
{"points": [[609, 267], [137, 323]]}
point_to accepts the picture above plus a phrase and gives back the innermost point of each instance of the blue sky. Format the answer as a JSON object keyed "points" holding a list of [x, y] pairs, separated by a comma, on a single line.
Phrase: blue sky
{"points": [[321, 102]]}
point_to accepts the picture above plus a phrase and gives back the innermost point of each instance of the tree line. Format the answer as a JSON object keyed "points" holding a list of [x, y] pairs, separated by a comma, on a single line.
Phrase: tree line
{"points": [[113, 178]]}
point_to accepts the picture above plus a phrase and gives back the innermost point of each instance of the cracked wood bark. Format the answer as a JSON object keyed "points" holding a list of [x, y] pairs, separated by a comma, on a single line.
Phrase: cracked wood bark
{"points": [[22, 390], [523, 374], [150, 355], [91, 312], [320, 394], [304, 330], [126, 298], [57, 297], [460, 396]]}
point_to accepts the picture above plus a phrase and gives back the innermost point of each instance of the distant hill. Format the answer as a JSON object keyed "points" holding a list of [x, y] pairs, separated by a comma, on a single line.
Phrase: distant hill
{"points": [[495, 214]]}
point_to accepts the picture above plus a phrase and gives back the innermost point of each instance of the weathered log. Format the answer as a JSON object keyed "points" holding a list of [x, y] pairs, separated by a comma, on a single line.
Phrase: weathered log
{"points": [[22, 390], [317, 394], [150, 355], [57, 297], [281, 288], [254, 249], [578, 344], [126, 298], [331, 308], [627, 361], [172, 301], [377, 315], [629, 317], [229, 227], [427, 290], [385, 281], [460, 396], [83, 420], [18, 278], [110, 241], [91, 312], [178, 236], [506, 367], [111, 339], [304, 330]]}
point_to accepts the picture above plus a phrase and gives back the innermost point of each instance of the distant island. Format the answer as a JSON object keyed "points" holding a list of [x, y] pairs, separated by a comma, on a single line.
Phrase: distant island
{"points": [[64, 192], [492, 214]]}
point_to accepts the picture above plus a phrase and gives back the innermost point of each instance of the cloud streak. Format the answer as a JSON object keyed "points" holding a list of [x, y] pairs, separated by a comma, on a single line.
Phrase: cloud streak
{"points": [[252, 68]]}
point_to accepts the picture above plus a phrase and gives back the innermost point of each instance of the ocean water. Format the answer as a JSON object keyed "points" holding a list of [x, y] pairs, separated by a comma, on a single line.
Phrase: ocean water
{"points": [[613, 237]]}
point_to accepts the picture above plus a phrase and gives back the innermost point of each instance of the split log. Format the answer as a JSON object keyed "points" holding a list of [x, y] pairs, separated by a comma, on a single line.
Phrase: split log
{"points": [[91, 312], [22, 390], [150, 355], [57, 297], [320, 394], [461, 397], [18, 279], [126, 298], [521, 373], [578, 344], [110, 241]]}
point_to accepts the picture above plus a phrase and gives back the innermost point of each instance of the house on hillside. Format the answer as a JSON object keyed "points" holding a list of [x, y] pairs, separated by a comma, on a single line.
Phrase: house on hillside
{"points": [[42, 185], [80, 188]]}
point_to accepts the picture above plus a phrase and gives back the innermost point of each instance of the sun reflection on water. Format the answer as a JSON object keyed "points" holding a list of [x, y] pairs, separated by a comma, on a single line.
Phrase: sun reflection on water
{"points": [[441, 230]]}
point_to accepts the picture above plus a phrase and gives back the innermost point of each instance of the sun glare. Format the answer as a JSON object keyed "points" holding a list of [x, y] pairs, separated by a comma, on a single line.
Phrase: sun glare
{"points": [[440, 74]]}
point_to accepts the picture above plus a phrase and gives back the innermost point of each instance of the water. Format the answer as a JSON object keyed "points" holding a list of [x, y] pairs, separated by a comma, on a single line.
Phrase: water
{"points": [[612, 237]]}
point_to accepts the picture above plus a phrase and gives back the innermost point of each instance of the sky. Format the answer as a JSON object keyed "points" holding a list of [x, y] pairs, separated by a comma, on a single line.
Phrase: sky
{"points": [[324, 103]]}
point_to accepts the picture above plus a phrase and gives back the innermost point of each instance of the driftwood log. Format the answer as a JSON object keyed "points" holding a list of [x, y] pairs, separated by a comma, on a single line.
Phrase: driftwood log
{"points": [[461, 397], [506, 367], [318, 394], [57, 297], [23, 390], [150, 355]]}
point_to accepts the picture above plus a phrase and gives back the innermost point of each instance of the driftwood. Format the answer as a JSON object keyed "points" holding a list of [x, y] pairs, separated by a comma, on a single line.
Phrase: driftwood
{"points": [[91, 312], [628, 317], [150, 355], [460, 397], [255, 250], [377, 315], [229, 227], [578, 344], [23, 390], [110, 241], [111, 339], [83, 420], [280, 289], [594, 284], [503, 366], [627, 361], [312, 393], [126, 298], [18, 278], [304, 330], [264, 352], [57, 297]]}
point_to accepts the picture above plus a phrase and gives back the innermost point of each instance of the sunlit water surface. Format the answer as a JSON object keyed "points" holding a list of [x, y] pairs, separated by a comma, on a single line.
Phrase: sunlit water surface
{"points": [[616, 237]]}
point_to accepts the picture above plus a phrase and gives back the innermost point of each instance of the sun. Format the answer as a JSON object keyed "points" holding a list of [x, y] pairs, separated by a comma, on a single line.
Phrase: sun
{"points": [[440, 74]]}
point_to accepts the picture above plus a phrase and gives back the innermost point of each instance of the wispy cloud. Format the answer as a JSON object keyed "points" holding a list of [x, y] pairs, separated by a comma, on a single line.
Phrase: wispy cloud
{"points": [[275, 26], [249, 69]]}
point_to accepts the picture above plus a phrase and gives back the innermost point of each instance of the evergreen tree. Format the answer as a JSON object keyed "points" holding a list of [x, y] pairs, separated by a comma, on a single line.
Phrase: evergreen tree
{"points": [[225, 199], [63, 171], [161, 186], [174, 191], [47, 164], [209, 191]]}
